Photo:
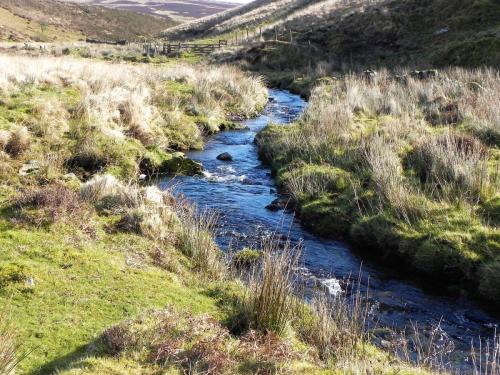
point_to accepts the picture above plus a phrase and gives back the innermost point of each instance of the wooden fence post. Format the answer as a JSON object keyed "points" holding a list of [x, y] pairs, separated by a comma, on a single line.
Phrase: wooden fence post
{"points": [[309, 43]]}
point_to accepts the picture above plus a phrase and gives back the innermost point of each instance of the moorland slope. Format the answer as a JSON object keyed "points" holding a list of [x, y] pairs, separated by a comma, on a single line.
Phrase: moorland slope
{"points": [[356, 34], [52, 20]]}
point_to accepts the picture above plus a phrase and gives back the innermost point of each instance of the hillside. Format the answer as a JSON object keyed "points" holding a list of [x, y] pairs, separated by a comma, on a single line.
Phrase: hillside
{"points": [[51, 20], [259, 12], [172, 9], [357, 34]]}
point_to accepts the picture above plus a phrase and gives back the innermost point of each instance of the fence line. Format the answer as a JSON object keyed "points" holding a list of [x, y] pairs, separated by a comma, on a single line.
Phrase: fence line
{"points": [[237, 38]]}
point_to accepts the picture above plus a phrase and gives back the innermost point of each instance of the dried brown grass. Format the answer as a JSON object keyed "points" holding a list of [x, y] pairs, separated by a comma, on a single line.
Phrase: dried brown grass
{"points": [[196, 239], [53, 203], [10, 355], [17, 142]]}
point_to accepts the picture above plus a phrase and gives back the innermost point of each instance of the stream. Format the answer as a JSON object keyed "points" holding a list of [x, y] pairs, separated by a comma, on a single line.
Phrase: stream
{"points": [[241, 189]]}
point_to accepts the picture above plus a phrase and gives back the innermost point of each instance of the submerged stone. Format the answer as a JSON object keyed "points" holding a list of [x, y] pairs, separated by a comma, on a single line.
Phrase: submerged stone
{"points": [[225, 156], [278, 204]]}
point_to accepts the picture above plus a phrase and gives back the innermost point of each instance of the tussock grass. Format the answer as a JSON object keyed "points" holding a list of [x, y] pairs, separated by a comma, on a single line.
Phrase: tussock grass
{"points": [[387, 174], [270, 301], [456, 165], [196, 239], [15, 142], [158, 215]]}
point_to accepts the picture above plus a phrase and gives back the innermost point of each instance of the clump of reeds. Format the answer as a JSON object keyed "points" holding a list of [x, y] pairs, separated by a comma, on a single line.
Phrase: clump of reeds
{"points": [[486, 356], [196, 238], [270, 301]]}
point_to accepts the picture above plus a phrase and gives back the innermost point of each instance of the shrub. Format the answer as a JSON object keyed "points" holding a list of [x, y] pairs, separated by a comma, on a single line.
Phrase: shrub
{"points": [[12, 273], [18, 142], [52, 203], [116, 339]]}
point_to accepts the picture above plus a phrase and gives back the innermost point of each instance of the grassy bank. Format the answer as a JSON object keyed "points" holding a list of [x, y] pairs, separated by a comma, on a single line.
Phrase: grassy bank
{"points": [[406, 167], [76, 116], [101, 275]]}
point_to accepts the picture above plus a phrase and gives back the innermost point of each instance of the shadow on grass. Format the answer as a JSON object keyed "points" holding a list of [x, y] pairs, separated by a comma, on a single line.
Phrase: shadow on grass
{"points": [[69, 360]]}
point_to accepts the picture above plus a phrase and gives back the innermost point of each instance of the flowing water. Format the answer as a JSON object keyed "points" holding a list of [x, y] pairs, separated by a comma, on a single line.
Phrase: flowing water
{"points": [[240, 190]]}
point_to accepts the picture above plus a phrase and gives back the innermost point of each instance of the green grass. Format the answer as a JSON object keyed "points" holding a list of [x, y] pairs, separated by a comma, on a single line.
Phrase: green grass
{"points": [[81, 286]]}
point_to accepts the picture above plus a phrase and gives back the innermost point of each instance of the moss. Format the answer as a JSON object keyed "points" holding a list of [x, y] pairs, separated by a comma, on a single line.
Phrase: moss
{"points": [[246, 258], [79, 288], [327, 215], [444, 254], [182, 132], [157, 161], [443, 259], [11, 273], [377, 233], [266, 140], [489, 281], [96, 152], [490, 211]]}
